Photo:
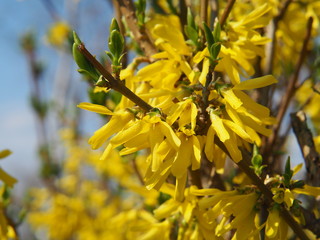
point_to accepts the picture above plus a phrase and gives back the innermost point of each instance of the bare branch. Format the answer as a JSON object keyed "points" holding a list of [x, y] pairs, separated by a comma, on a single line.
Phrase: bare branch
{"points": [[226, 12]]}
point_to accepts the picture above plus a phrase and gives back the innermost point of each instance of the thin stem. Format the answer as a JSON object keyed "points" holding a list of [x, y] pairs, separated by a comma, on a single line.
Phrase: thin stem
{"points": [[226, 12], [204, 11], [183, 12], [112, 82], [139, 33]]}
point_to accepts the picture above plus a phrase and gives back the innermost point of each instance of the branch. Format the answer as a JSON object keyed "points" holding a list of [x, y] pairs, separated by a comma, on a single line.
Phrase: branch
{"points": [[307, 147], [226, 12], [139, 33], [112, 82], [204, 11]]}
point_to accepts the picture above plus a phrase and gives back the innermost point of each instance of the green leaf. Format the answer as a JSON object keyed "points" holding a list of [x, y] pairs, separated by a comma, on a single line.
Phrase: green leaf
{"points": [[209, 35], [81, 61], [109, 55], [190, 20], [298, 184], [217, 32], [214, 50], [88, 74], [288, 173], [191, 34]]}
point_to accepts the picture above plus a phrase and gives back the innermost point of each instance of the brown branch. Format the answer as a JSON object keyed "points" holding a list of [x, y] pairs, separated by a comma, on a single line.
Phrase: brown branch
{"points": [[291, 88], [183, 13], [112, 82], [307, 147], [226, 12], [204, 11], [139, 33]]}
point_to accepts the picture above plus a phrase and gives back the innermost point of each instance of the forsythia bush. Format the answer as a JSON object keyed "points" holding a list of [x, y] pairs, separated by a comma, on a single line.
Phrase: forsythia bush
{"points": [[195, 126]]}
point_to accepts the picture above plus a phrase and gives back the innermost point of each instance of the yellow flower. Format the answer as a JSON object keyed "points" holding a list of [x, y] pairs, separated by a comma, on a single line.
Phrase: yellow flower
{"points": [[58, 33]]}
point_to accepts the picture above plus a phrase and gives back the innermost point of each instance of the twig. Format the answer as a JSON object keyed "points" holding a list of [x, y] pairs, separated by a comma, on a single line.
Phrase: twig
{"points": [[139, 33], [112, 82], [226, 12], [204, 11], [290, 89], [183, 13], [307, 147]]}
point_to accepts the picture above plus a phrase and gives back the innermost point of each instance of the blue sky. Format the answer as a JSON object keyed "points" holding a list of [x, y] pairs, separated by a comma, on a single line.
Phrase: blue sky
{"points": [[17, 123]]}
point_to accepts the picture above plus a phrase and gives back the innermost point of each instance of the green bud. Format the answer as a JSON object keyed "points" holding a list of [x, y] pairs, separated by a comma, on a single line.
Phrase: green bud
{"points": [[84, 65], [116, 43], [114, 25]]}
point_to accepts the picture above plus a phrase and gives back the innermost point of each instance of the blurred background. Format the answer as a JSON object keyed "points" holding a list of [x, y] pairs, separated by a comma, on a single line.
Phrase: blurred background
{"points": [[38, 73]]}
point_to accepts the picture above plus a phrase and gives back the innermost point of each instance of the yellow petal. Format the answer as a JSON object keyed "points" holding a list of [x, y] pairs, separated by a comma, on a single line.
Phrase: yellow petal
{"points": [[166, 209], [155, 139], [258, 109], [231, 98], [6, 178], [5, 153], [232, 147], [183, 158], [195, 160], [170, 134], [180, 186], [308, 190], [272, 224], [208, 149], [217, 124], [95, 108], [297, 168], [125, 135], [237, 130], [200, 55], [205, 70], [256, 83]]}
